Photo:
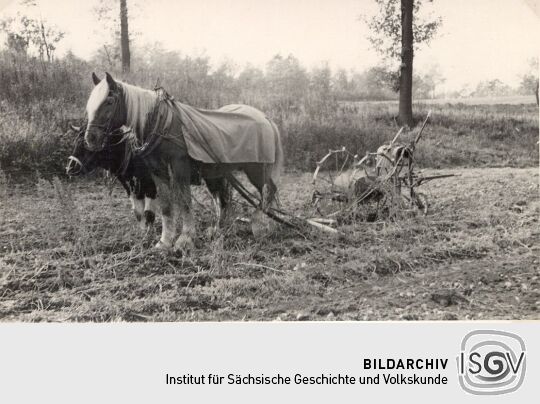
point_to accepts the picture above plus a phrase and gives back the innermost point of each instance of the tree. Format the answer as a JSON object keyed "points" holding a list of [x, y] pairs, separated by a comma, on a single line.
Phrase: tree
{"points": [[224, 88], [287, 82], [426, 84], [492, 88], [252, 84], [406, 67], [24, 34], [379, 84], [124, 37], [116, 49], [529, 81], [342, 85], [422, 87], [395, 32]]}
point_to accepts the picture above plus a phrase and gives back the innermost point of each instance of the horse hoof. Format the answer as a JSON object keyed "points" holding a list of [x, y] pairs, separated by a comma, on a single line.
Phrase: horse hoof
{"points": [[184, 244], [162, 246], [261, 225]]}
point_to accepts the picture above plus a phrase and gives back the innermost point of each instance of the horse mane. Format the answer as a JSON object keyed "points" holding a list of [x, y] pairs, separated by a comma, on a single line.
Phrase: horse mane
{"points": [[139, 105]]}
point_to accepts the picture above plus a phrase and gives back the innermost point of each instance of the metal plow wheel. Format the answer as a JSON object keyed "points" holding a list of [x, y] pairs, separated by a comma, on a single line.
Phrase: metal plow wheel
{"points": [[341, 183], [381, 185], [331, 183]]}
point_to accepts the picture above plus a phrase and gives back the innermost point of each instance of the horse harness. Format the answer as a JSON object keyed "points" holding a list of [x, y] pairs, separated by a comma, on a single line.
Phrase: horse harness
{"points": [[161, 127]]}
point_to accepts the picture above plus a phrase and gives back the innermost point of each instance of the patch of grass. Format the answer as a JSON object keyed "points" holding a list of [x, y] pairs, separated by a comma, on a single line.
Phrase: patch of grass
{"points": [[35, 137]]}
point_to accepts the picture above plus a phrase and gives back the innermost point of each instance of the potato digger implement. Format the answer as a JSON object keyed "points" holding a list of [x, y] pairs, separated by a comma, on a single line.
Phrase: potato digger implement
{"points": [[382, 185]]}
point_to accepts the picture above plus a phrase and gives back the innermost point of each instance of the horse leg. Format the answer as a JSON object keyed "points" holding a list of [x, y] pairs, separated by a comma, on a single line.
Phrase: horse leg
{"points": [[171, 173], [181, 172], [168, 216], [269, 194], [225, 198], [259, 176], [185, 241], [256, 178], [149, 211], [137, 205], [137, 201], [150, 193], [220, 192]]}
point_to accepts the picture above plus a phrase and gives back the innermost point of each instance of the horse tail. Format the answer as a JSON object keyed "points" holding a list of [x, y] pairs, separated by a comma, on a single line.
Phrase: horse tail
{"points": [[277, 167]]}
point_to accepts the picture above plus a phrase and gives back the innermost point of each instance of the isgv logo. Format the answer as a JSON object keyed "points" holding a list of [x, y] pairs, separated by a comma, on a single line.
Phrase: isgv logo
{"points": [[491, 362]]}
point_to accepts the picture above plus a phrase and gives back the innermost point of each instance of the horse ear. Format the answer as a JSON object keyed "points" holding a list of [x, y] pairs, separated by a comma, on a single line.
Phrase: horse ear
{"points": [[111, 82], [95, 79]]}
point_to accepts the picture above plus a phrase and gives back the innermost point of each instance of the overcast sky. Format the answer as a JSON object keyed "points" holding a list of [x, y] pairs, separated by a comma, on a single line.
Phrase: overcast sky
{"points": [[479, 40]]}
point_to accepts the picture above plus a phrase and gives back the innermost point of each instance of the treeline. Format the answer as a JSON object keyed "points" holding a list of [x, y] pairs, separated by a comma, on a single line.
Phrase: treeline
{"points": [[39, 98], [284, 84]]}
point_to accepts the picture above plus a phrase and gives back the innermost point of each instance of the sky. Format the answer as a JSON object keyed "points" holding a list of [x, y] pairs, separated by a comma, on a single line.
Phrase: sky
{"points": [[479, 39]]}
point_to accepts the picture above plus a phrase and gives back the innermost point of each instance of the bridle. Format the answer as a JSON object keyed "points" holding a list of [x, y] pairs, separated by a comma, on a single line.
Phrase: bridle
{"points": [[106, 128], [74, 162], [106, 146]]}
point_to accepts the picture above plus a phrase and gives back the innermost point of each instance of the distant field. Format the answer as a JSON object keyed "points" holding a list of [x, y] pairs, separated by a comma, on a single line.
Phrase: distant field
{"points": [[512, 100], [457, 135], [506, 100], [77, 255]]}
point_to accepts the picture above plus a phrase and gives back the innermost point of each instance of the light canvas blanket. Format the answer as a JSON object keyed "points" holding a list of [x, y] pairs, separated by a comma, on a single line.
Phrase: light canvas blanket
{"points": [[231, 134]]}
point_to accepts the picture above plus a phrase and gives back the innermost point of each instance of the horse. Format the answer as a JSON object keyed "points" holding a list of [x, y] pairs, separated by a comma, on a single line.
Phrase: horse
{"points": [[132, 174], [175, 141]]}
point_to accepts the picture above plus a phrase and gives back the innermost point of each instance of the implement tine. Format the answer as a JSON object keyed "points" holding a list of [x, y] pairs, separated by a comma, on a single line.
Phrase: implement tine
{"points": [[421, 129]]}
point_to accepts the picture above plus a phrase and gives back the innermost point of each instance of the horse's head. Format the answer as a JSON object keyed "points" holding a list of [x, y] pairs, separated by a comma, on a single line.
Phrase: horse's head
{"points": [[106, 112], [83, 160]]}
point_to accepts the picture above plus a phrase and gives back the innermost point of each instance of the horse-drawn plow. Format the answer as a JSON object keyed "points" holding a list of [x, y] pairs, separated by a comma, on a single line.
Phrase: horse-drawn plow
{"points": [[379, 186]]}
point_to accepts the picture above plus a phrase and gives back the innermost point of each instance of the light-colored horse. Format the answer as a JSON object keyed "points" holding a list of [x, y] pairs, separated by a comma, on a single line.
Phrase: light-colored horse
{"points": [[157, 125]]}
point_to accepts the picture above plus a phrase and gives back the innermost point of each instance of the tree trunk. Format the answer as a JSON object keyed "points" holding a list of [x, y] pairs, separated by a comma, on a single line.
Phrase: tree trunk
{"points": [[406, 69], [44, 39], [124, 37]]}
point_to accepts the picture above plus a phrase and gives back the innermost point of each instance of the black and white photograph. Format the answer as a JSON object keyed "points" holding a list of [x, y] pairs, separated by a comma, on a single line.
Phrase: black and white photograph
{"points": [[269, 161]]}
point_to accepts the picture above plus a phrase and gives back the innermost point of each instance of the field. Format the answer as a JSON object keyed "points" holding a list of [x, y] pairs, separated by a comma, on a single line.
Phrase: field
{"points": [[71, 251], [501, 100]]}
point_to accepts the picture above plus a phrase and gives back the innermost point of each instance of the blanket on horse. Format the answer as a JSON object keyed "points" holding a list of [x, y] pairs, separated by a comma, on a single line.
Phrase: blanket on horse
{"points": [[231, 134]]}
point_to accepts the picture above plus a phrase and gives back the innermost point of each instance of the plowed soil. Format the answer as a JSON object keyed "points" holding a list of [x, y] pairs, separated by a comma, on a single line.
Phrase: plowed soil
{"points": [[69, 251]]}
